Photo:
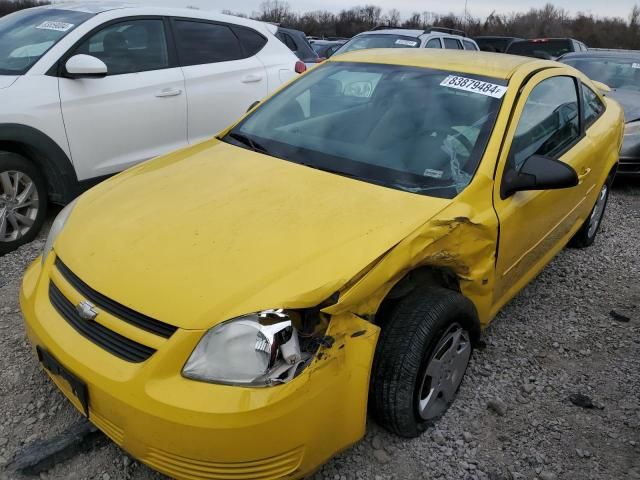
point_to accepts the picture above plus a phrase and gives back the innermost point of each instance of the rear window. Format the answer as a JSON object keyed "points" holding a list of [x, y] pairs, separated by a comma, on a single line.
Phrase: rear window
{"points": [[541, 48], [364, 42], [201, 43], [493, 44]]}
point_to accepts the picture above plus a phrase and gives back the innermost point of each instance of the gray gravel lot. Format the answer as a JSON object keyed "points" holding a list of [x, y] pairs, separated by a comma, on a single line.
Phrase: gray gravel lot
{"points": [[512, 419]]}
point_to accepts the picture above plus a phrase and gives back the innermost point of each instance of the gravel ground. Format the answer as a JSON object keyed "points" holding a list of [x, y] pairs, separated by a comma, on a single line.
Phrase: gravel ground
{"points": [[512, 419]]}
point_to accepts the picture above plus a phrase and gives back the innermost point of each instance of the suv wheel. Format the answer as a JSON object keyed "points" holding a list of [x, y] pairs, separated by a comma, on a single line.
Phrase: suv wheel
{"points": [[23, 201], [421, 358]]}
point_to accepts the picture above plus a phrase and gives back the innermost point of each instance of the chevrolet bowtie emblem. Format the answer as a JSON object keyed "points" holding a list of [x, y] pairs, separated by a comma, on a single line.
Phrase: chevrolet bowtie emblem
{"points": [[87, 310]]}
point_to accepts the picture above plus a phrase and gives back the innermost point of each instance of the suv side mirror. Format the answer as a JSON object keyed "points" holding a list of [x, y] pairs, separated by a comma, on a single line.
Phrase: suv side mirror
{"points": [[538, 173], [85, 66]]}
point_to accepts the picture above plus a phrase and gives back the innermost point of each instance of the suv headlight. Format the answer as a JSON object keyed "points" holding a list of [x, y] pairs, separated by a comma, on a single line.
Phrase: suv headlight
{"points": [[632, 128], [259, 349], [56, 228]]}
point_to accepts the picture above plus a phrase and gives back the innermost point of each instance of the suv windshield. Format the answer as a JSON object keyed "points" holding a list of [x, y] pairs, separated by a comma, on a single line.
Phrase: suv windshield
{"points": [[541, 48], [413, 129], [382, 40], [27, 35], [618, 73]]}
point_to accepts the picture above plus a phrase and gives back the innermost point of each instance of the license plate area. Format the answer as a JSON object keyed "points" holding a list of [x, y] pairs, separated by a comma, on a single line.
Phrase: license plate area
{"points": [[78, 387]]}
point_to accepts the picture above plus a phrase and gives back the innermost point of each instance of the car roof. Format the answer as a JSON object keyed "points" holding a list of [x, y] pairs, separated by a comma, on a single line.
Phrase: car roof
{"points": [[395, 31], [89, 7], [497, 65], [603, 54]]}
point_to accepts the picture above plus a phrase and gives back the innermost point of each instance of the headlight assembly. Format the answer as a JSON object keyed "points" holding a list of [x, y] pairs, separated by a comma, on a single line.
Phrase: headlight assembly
{"points": [[259, 349], [56, 228], [632, 128]]}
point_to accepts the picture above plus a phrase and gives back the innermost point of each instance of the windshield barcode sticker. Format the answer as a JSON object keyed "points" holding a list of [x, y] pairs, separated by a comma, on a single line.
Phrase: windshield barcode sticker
{"points": [[475, 86], [57, 26], [408, 43], [635, 65]]}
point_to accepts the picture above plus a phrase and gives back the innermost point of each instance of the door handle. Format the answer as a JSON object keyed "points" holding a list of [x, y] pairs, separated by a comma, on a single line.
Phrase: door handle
{"points": [[252, 78], [168, 92]]}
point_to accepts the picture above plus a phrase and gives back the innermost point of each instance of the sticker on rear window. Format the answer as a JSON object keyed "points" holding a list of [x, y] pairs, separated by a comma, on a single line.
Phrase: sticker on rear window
{"points": [[475, 86], [408, 43], [57, 26], [635, 65]]}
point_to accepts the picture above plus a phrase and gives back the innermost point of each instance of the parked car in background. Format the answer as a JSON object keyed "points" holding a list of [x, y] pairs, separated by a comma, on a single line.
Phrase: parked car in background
{"points": [[434, 37], [495, 43], [231, 310], [326, 48], [620, 71], [546, 48], [87, 90], [299, 45]]}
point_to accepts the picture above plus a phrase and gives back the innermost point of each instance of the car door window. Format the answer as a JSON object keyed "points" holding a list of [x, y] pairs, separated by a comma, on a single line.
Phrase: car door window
{"points": [[469, 45], [549, 123], [250, 40], [433, 43], [201, 43], [593, 107], [452, 44], [129, 47]]}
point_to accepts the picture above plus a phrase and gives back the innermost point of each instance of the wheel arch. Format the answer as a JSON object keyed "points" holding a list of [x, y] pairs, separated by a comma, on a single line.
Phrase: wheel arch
{"points": [[423, 277], [46, 154]]}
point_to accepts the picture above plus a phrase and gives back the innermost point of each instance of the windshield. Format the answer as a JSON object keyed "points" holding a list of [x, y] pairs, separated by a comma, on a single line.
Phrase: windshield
{"points": [[541, 48], [618, 73], [413, 129], [27, 35], [382, 40]]}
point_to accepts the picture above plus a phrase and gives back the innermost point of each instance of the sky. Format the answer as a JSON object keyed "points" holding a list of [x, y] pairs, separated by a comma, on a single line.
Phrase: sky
{"points": [[477, 8]]}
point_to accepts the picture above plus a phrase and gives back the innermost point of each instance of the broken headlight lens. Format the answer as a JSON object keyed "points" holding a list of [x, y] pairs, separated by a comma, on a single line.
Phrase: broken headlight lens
{"points": [[259, 349]]}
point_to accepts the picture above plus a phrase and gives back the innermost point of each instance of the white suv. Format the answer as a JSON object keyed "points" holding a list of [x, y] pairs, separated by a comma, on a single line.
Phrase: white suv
{"points": [[87, 90], [435, 37]]}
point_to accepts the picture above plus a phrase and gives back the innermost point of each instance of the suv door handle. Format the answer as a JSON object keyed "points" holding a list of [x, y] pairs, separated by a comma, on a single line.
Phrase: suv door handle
{"points": [[252, 78], [168, 92]]}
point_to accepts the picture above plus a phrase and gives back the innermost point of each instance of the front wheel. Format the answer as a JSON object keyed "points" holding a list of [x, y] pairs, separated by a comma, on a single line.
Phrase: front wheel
{"points": [[589, 229], [421, 358], [23, 201]]}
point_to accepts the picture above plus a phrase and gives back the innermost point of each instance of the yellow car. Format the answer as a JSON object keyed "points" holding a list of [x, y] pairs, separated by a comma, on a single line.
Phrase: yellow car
{"points": [[231, 309]]}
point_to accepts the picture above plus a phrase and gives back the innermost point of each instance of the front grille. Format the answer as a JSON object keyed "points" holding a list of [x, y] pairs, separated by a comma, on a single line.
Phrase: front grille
{"points": [[111, 341], [114, 308]]}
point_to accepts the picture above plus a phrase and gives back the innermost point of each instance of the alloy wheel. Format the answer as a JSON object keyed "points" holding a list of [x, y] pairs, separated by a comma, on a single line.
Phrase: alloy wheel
{"points": [[19, 203], [598, 211], [444, 372]]}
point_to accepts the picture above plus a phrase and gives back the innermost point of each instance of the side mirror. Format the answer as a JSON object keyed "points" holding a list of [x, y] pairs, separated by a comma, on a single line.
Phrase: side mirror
{"points": [[538, 173], [85, 66]]}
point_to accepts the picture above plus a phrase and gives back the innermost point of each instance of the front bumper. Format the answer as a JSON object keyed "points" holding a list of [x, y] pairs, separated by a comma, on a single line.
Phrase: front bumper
{"points": [[630, 156], [194, 430]]}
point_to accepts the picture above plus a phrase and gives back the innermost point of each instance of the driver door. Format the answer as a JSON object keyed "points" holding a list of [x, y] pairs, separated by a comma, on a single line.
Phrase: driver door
{"points": [[535, 225]]}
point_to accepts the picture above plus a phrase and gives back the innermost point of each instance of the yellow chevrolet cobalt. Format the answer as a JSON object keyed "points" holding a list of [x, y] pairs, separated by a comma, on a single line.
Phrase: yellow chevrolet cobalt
{"points": [[233, 309]]}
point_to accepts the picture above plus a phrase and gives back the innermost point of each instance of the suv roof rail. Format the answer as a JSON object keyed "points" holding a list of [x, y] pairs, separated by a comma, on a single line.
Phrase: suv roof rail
{"points": [[385, 27], [451, 31]]}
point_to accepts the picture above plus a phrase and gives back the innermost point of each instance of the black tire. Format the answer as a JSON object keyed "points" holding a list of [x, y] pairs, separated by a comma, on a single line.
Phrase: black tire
{"points": [[586, 235], [406, 347], [36, 212]]}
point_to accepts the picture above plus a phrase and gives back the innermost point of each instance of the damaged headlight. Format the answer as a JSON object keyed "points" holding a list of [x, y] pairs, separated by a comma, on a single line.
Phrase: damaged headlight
{"points": [[56, 228], [258, 349]]}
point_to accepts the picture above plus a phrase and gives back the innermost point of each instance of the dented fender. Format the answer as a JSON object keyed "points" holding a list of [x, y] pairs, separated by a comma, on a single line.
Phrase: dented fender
{"points": [[461, 239]]}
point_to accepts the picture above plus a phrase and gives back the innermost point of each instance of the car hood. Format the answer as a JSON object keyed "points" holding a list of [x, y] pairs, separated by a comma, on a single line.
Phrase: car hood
{"points": [[630, 102], [7, 80], [215, 231]]}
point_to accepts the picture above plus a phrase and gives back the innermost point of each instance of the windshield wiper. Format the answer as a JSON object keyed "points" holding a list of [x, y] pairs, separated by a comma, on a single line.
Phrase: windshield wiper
{"points": [[249, 142]]}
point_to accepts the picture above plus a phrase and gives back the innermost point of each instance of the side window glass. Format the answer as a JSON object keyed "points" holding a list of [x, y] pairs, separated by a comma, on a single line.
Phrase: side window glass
{"points": [[452, 44], [200, 43], [549, 122], [433, 43], [251, 41], [593, 107], [129, 47], [469, 45], [288, 41]]}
